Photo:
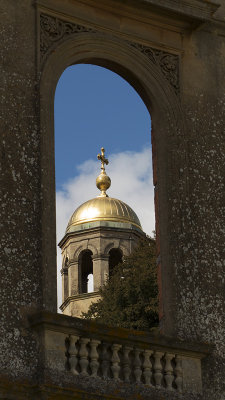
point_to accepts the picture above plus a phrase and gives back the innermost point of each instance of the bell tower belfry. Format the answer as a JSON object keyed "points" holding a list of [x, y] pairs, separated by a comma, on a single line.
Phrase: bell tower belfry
{"points": [[99, 234]]}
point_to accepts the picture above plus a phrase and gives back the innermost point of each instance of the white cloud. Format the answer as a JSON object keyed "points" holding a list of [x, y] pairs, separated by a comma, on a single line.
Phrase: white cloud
{"points": [[131, 176]]}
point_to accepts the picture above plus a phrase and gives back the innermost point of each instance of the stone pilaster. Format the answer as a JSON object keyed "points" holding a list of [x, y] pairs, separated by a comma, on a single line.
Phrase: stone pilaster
{"points": [[65, 286], [73, 278], [100, 270]]}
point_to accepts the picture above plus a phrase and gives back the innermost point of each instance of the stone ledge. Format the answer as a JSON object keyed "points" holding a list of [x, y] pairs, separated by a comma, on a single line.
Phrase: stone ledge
{"points": [[73, 325], [11, 390], [77, 297]]}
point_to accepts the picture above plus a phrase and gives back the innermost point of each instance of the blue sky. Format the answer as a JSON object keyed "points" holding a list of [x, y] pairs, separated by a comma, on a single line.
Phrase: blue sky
{"points": [[95, 107]]}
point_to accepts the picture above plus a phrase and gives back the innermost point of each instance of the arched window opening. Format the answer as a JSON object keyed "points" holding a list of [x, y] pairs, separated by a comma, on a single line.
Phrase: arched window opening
{"points": [[115, 257], [85, 271], [95, 107]]}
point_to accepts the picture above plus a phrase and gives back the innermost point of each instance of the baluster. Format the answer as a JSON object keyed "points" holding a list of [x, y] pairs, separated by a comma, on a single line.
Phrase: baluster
{"points": [[169, 377], [178, 373], [73, 354], [158, 368], [94, 364], [83, 354], [126, 363], [147, 366], [105, 362], [67, 354], [137, 365], [115, 368]]}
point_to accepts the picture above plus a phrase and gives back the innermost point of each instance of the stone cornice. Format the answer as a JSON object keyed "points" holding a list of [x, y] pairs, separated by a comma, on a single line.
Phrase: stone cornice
{"points": [[216, 27], [82, 296], [98, 230], [195, 10], [191, 9], [173, 13]]}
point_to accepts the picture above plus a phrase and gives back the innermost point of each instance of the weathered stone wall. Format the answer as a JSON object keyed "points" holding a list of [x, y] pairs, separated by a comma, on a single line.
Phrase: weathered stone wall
{"points": [[201, 309], [21, 269], [192, 198]]}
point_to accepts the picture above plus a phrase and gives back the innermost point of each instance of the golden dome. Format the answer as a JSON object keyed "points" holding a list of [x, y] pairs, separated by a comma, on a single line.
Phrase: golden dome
{"points": [[103, 210]]}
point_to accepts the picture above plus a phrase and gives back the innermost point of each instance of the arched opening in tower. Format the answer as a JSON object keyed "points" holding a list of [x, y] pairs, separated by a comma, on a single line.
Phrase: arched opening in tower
{"points": [[85, 271], [115, 257]]}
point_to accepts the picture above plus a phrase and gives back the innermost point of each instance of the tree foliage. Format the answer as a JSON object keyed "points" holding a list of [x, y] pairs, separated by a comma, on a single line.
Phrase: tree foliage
{"points": [[130, 297]]}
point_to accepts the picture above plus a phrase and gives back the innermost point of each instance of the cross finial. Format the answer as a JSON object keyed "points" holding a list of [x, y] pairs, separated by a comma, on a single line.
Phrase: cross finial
{"points": [[102, 158], [103, 181]]}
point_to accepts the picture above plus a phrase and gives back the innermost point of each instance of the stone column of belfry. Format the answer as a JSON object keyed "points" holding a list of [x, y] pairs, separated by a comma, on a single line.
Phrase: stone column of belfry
{"points": [[65, 285], [100, 270], [73, 278], [97, 227]]}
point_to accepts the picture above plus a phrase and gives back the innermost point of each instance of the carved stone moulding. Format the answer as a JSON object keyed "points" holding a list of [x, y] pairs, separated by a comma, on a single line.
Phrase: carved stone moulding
{"points": [[54, 30], [167, 62]]}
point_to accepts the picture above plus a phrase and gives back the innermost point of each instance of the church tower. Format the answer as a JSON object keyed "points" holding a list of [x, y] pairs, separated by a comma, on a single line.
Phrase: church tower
{"points": [[99, 234]]}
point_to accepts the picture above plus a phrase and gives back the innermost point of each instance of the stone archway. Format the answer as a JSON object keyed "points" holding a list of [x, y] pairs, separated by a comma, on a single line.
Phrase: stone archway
{"points": [[115, 257], [85, 265], [159, 89]]}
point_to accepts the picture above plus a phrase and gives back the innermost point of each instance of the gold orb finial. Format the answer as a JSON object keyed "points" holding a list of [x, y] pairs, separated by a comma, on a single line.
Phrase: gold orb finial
{"points": [[103, 181]]}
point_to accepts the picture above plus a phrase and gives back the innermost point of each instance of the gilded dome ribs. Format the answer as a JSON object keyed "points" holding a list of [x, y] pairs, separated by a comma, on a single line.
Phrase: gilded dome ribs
{"points": [[104, 209]]}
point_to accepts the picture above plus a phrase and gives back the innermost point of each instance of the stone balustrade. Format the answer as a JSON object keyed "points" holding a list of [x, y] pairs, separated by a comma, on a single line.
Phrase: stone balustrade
{"points": [[131, 364], [82, 350]]}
